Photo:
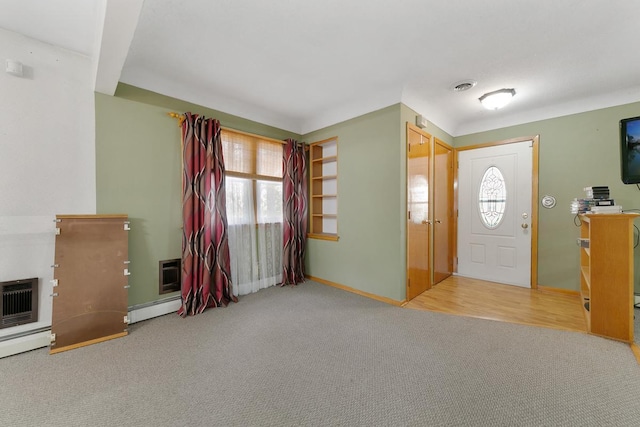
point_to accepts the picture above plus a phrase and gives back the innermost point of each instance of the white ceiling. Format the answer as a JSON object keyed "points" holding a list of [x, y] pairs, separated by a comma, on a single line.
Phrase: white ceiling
{"points": [[301, 65]]}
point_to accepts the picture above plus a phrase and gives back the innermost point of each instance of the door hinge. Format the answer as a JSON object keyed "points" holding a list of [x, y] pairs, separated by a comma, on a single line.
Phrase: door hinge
{"points": [[409, 215], [408, 283]]}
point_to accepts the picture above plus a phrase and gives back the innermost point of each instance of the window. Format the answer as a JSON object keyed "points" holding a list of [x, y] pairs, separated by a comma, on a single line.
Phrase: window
{"points": [[492, 197], [254, 170], [323, 156], [254, 209]]}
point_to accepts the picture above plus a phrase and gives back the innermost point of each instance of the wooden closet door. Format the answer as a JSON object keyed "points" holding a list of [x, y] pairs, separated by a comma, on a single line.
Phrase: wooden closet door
{"points": [[443, 211], [418, 212], [91, 264]]}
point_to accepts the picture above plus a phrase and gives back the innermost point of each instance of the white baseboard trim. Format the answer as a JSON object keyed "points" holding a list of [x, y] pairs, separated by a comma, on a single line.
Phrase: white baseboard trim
{"points": [[41, 338], [141, 312], [25, 343]]}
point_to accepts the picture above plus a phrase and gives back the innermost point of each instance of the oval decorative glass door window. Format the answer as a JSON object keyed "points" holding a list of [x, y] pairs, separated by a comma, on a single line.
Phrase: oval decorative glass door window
{"points": [[492, 197]]}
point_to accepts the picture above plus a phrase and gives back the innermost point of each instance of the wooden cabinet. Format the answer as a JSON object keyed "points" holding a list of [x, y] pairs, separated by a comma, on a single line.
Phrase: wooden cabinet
{"points": [[90, 280], [323, 194], [606, 274]]}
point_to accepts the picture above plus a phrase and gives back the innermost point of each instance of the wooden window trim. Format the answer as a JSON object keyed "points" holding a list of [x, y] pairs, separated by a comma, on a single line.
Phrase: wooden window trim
{"points": [[253, 177]]}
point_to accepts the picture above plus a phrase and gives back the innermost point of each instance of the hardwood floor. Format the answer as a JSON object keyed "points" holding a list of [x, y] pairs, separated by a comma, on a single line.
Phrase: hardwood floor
{"points": [[504, 303]]}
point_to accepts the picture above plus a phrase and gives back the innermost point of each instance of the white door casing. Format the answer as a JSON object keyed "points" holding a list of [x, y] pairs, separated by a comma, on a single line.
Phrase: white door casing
{"points": [[501, 254]]}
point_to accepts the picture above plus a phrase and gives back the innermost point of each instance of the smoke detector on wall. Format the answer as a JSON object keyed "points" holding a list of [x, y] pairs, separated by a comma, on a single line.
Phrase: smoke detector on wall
{"points": [[14, 67]]}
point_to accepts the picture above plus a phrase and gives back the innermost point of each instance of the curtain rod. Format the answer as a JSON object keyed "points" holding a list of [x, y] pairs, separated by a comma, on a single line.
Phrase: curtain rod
{"points": [[181, 118]]}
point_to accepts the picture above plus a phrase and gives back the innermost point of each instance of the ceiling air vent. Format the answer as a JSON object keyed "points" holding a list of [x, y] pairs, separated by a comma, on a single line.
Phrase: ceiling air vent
{"points": [[463, 85]]}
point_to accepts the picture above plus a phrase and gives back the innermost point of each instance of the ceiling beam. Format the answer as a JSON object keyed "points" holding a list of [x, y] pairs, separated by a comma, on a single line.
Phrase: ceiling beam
{"points": [[117, 21]]}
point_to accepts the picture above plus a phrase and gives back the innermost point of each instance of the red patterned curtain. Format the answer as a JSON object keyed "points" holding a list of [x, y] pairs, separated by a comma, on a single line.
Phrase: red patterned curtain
{"points": [[294, 186], [206, 278]]}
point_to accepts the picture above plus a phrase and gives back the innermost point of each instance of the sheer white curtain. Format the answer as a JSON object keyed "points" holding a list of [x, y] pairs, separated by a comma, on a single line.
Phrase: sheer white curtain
{"points": [[255, 233], [254, 210]]}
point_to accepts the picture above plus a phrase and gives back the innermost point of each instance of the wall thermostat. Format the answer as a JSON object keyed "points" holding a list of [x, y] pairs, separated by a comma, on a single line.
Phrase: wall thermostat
{"points": [[548, 202]]}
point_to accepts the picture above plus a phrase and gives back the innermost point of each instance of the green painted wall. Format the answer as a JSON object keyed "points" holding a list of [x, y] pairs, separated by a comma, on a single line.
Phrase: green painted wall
{"points": [[409, 115], [576, 151], [138, 173], [136, 94], [369, 254]]}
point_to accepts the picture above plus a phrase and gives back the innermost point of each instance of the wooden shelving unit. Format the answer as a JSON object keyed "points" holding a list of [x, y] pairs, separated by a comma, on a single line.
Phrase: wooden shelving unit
{"points": [[323, 157], [606, 274]]}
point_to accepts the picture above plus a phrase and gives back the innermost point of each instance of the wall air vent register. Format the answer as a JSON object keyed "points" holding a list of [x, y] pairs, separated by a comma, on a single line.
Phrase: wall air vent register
{"points": [[19, 302]]}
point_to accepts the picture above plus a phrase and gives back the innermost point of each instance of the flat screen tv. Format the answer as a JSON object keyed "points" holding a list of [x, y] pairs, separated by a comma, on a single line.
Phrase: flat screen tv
{"points": [[630, 150]]}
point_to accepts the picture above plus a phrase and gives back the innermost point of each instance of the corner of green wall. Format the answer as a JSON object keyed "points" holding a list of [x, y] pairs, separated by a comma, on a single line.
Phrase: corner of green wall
{"points": [[369, 253]]}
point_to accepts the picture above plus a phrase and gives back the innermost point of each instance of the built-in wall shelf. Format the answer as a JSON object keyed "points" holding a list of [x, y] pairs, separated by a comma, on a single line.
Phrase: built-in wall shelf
{"points": [[323, 157]]}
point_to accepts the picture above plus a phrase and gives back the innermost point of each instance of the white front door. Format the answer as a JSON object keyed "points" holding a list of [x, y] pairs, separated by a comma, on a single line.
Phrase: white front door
{"points": [[494, 214]]}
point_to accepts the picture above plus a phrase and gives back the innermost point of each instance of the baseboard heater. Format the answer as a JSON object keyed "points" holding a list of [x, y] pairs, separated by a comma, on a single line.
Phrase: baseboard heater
{"points": [[41, 337], [19, 302]]}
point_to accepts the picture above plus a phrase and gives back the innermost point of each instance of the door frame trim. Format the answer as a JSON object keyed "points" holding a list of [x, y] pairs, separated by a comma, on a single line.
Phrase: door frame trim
{"points": [[534, 197]]}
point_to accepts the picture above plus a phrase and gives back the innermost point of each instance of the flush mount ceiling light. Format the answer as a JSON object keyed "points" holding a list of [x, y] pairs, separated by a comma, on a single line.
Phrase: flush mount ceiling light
{"points": [[497, 99]]}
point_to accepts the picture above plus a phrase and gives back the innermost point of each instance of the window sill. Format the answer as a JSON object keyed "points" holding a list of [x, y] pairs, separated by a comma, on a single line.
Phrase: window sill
{"points": [[323, 236]]}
